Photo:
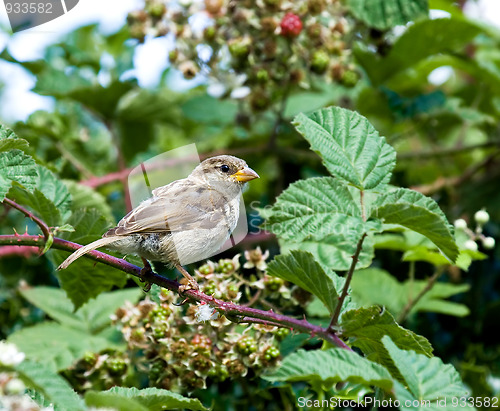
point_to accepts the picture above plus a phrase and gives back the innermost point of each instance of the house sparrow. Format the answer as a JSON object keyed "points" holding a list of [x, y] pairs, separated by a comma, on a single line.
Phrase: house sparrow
{"points": [[183, 222]]}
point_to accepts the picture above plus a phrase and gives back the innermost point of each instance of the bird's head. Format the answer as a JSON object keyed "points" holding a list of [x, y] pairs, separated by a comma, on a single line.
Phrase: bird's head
{"points": [[224, 169]]}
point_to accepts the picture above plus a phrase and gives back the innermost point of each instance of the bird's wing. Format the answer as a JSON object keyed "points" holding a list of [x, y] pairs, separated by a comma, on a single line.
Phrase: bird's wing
{"points": [[179, 206]]}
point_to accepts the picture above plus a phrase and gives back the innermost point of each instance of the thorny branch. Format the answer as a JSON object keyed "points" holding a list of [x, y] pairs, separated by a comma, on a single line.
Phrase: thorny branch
{"points": [[43, 227], [234, 312]]}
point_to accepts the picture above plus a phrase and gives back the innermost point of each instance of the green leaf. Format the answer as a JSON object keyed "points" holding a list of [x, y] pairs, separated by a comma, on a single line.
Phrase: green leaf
{"points": [[86, 279], [324, 368], [16, 166], [9, 140], [209, 110], [426, 378], [50, 200], [36, 201], [376, 286], [91, 317], [56, 346], [386, 14], [320, 215], [54, 190], [300, 268], [367, 326], [306, 207], [148, 399], [50, 384], [146, 106], [446, 36], [419, 213], [350, 147], [86, 197], [333, 251]]}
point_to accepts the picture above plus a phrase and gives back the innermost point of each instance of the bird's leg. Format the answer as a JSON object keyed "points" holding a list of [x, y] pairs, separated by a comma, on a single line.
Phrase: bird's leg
{"points": [[193, 285], [145, 271]]}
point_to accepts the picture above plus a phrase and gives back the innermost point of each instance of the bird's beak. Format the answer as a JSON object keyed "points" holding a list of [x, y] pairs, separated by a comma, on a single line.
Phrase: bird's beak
{"points": [[245, 174]]}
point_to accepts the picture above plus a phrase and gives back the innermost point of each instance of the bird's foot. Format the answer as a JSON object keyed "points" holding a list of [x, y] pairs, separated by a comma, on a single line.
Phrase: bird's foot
{"points": [[145, 272], [190, 286], [191, 282]]}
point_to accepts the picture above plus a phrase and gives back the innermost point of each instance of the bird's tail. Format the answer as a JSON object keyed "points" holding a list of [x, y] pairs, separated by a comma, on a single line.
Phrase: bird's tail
{"points": [[86, 249]]}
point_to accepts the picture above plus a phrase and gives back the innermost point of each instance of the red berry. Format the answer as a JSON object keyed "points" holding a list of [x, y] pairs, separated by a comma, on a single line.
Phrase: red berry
{"points": [[291, 26]]}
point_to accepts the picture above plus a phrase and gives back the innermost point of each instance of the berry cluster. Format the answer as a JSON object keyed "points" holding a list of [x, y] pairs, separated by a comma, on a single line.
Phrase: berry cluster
{"points": [[186, 350], [98, 371], [254, 50]]}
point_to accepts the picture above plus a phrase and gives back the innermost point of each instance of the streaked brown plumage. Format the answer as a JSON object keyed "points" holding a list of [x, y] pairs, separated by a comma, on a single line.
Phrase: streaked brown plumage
{"points": [[183, 222]]}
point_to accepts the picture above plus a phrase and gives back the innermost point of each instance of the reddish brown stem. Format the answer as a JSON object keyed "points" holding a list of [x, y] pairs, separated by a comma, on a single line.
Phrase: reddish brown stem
{"points": [[43, 227], [229, 309]]}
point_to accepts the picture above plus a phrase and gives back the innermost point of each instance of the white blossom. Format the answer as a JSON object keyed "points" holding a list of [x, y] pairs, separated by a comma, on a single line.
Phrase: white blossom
{"points": [[9, 354], [205, 313]]}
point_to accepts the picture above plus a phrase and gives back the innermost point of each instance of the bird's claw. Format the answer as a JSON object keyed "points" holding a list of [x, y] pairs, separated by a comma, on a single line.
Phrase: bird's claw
{"points": [[190, 286]]}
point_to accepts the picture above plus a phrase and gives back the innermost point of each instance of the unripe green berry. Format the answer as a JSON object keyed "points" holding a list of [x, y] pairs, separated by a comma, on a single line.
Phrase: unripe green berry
{"points": [[481, 217], [209, 33], [156, 9], [239, 48], [232, 291], [218, 373], [281, 333], [116, 366], [489, 243], [319, 61], [350, 78], [273, 283], [246, 345], [262, 76], [271, 353]]}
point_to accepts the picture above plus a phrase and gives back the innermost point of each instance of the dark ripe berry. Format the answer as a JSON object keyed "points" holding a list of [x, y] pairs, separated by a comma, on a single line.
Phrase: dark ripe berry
{"points": [[291, 26]]}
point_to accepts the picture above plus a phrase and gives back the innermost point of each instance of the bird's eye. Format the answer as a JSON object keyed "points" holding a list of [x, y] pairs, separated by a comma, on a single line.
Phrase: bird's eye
{"points": [[224, 168]]}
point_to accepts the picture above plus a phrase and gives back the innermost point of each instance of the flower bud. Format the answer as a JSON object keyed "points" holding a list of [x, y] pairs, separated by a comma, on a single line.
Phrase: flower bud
{"points": [[188, 69], [460, 224], [489, 243], [15, 387], [470, 245], [481, 217]]}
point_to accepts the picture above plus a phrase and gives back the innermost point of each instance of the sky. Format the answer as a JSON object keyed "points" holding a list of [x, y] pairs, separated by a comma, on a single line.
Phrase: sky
{"points": [[150, 59]]}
